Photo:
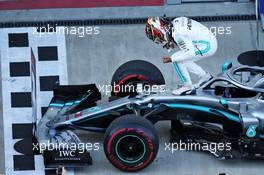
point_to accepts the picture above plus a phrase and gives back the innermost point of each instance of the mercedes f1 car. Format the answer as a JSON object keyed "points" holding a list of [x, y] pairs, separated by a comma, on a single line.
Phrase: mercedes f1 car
{"points": [[228, 108]]}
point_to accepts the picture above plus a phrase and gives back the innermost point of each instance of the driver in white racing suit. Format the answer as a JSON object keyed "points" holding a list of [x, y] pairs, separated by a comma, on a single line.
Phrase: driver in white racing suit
{"points": [[194, 40]]}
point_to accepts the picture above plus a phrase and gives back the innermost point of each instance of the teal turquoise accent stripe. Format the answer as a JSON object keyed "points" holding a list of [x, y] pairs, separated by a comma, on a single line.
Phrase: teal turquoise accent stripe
{"points": [[208, 47], [77, 101], [226, 65], [66, 104], [56, 105], [179, 72], [69, 104], [223, 101], [205, 109]]}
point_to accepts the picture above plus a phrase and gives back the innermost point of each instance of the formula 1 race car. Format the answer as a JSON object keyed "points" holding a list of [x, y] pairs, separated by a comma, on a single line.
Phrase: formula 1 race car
{"points": [[228, 109]]}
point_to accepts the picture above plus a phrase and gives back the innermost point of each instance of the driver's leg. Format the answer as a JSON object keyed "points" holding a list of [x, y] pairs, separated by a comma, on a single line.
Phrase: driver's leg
{"points": [[181, 70], [197, 70], [184, 75]]}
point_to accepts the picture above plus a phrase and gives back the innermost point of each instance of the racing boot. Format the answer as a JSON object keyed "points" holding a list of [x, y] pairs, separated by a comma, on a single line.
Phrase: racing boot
{"points": [[182, 90]]}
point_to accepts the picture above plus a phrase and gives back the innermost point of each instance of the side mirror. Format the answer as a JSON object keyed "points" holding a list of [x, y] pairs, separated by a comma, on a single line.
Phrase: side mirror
{"points": [[226, 66]]}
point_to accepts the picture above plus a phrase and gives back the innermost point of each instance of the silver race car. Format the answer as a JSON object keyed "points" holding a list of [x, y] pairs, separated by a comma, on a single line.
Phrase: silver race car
{"points": [[228, 109]]}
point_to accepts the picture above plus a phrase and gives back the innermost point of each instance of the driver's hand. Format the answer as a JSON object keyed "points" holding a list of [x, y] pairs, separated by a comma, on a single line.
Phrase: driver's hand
{"points": [[166, 59]]}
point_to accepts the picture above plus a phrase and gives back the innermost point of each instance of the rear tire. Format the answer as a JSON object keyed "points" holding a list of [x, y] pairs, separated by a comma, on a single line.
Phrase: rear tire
{"points": [[131, 143], [135, 71]]}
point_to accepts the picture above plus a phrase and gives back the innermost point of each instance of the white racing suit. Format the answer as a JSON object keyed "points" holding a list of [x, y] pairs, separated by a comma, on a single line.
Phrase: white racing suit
{"points": [[195, 42]]}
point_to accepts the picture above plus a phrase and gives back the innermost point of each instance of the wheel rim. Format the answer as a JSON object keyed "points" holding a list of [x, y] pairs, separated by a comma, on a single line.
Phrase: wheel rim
{"points": [[130, 149]]}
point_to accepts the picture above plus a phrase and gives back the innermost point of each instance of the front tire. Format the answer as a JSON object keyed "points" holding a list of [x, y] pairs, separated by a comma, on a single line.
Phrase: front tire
{"points": [[131, 143]]}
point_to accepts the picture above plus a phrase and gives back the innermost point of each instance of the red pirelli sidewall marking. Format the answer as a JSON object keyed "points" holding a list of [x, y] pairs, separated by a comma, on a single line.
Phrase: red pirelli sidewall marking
{"points": [[111, 139]]}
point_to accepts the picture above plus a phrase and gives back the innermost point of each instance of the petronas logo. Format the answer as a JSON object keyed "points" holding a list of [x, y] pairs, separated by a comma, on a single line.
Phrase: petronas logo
{"points": [[251, 132]]}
